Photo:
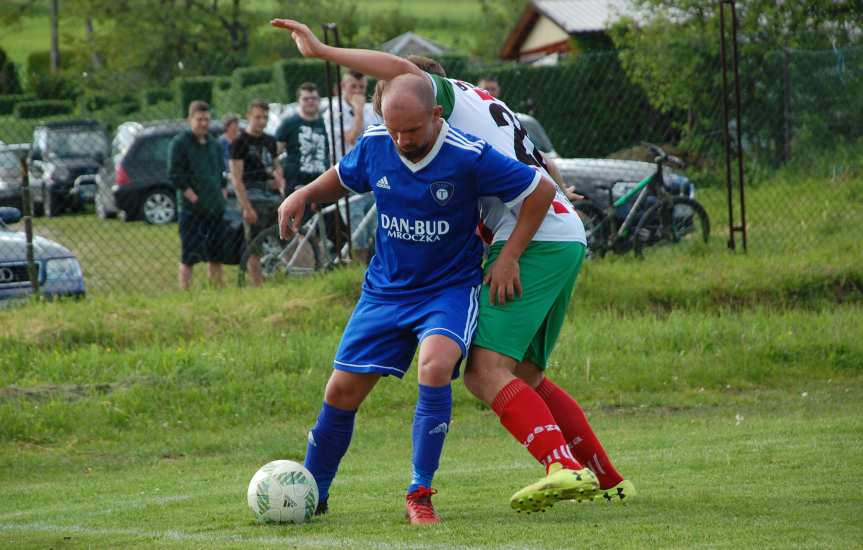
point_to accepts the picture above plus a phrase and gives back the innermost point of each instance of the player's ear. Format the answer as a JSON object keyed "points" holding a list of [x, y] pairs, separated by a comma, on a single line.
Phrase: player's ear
{"points": [[437, 112]]}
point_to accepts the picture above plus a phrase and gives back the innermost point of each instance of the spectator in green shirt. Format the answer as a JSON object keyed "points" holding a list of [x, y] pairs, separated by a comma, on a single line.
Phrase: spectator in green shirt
{"points": [[195, 166]]}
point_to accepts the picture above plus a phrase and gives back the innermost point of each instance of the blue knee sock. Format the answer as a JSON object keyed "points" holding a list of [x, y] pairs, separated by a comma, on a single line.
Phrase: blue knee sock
{"points": [[431, 424], [328, 443]]}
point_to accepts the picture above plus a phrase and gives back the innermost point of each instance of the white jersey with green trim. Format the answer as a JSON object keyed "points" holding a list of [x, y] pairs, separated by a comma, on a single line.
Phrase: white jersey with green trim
{"points": [[475, 111]]}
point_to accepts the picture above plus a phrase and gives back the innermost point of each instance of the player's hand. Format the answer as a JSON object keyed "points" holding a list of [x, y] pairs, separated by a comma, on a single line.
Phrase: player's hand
{"points": [[250, 216], [358, 102], [291, 214], [306, 41], [503, 280], [570, 193], [190, 195]]}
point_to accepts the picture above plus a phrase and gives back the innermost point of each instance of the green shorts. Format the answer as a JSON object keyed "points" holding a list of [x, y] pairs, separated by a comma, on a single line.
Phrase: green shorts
{"points": [[528, 327]]}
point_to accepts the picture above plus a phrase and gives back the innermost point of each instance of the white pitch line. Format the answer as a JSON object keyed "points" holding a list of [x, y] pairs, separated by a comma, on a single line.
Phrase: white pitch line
{"points": [[181, 536], [132, 502]]}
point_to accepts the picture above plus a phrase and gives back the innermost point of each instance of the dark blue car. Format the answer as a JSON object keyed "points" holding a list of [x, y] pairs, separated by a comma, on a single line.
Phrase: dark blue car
{"points": [[58, 270]]}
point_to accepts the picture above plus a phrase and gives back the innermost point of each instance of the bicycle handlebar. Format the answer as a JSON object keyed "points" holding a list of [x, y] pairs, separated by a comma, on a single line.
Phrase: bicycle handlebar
{"points": [[662, 156]]}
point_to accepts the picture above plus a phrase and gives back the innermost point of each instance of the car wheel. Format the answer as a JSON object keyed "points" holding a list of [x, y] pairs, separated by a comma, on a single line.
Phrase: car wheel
{"points": [[159, 207], [52, 204]]}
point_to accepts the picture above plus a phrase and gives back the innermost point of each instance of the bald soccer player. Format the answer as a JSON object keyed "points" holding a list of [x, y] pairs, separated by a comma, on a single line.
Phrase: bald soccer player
{"points": [[422, 286], [516, 334]]}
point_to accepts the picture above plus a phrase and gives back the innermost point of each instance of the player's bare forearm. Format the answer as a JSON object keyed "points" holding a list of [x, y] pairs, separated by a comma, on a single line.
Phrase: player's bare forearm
{"points": [[380, 65], [326, 188], [530, 217], [239, 186], [554, 171]]}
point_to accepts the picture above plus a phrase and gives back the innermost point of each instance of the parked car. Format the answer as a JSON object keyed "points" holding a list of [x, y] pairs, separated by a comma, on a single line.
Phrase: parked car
{"points": [[10, 173], [586, 173], [135, 184], [58, 270], [63, 160]]}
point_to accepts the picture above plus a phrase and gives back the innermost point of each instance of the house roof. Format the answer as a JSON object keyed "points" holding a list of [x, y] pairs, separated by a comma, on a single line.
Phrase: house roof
{"points": [[573, 16], [578, 16], [412, 43]]}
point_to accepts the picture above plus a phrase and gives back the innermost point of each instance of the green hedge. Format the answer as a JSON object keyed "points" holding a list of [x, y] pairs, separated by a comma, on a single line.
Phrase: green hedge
{"points": [[588, 106], [93, 101], [250, 76], [151, 96], [188, 90], [8, 102], [236, 100], [223, 83], [43, 108], [289, 74], [39, 62]]}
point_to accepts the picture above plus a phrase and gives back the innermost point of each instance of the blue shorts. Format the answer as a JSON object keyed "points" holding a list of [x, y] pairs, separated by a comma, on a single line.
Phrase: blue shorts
{"points": [[382, 336]]}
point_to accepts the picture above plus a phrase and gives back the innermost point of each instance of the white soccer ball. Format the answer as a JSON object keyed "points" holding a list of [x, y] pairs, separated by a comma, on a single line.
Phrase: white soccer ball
{"points": [[283, 491]]}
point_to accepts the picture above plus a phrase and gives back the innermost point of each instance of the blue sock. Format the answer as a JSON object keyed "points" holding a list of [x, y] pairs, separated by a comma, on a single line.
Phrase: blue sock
{"points": [[328, 443], [431, 424]]}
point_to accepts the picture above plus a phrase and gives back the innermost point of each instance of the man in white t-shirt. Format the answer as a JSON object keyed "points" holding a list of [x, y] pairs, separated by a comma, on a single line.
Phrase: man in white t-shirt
{"points": [[357, 115], [515, 334]]}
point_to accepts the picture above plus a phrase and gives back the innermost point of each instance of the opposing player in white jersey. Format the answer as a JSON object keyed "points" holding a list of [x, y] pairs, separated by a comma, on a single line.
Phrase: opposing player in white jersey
{"points": [[537, 413]]}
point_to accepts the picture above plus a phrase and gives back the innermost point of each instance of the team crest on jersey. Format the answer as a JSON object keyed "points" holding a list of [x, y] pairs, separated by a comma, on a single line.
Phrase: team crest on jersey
{"points": [[441, 192]]}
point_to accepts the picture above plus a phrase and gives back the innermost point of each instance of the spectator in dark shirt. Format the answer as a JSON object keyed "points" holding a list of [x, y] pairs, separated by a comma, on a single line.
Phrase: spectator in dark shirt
{"points": [[195, 166], [257, 178], [303, 139]]}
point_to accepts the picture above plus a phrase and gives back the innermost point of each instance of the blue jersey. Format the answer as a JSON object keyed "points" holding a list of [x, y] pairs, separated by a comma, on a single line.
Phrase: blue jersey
{"points": [[428, 211]]}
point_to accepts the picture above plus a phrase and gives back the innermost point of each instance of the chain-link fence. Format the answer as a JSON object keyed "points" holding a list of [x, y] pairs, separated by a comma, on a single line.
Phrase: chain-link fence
{"points": [[105, 200]]}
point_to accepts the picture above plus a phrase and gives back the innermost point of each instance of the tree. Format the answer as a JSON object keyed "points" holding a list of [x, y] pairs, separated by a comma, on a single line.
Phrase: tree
{"points": [[675, 57]]}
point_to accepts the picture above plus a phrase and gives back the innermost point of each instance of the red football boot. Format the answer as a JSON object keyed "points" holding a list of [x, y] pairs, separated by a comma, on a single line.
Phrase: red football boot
{"points": [[419, 508]]}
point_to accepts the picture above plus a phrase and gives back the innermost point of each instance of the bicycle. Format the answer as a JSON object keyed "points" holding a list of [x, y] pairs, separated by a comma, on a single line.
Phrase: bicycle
{"points": [[307, 251], [656, 216]]}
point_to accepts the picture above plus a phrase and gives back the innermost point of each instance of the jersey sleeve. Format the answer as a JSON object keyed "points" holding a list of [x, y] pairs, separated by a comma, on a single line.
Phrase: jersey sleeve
{"points": [[505, 178], [444, 94], [239, 148], [351, 168]]}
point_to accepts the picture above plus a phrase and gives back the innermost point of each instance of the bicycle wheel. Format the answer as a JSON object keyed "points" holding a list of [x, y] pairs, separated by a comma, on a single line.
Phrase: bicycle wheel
{"points": [[596, 227], [679, 221], [298, 256]]}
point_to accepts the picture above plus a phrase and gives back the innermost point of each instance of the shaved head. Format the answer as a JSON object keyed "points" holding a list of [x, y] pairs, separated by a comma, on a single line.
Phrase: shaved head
{"points": [[408, 92], [411, 116]]}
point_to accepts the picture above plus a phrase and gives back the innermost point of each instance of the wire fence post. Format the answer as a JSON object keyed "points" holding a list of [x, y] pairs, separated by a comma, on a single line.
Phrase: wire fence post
{"points": [[732, 227], [333, 28], [27, 206]]}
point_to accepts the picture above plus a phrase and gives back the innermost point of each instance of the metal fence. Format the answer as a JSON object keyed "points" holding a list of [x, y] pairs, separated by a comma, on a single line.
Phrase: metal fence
{"points": [[102, 226]]}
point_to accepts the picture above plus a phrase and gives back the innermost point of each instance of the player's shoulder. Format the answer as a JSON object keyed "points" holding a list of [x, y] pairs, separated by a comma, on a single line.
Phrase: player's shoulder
{"points": [[464, 141], [376, 131]]}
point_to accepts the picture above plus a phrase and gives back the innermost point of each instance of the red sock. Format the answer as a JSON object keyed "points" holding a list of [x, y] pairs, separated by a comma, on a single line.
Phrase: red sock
{"points": [[577, 431], [528, 419]]}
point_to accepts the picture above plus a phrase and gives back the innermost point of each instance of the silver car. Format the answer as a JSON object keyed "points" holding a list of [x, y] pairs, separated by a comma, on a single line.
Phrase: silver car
{"points": [[59, 273]]}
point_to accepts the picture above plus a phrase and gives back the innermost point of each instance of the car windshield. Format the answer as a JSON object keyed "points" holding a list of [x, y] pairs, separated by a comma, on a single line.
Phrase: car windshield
{"points": [[9, 163], [76, 143], [536, 133]]}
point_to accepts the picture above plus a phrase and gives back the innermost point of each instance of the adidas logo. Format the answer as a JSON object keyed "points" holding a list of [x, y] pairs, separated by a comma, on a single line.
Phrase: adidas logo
{"points": [[441, 428], [383, 183]]}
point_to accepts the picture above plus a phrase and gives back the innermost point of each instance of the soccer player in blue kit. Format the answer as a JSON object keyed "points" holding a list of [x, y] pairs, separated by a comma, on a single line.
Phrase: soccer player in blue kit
{"points": [[423, 284]]}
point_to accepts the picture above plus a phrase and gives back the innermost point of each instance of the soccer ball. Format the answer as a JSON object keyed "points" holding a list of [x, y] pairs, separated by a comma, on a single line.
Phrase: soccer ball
{"points": [[283, 491]]}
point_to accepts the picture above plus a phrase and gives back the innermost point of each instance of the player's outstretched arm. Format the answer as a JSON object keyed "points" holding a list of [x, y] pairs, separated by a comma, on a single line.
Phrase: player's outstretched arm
{"points": [[326, 188], [503, 277], [380, 65]]}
